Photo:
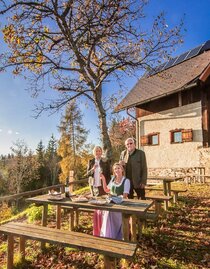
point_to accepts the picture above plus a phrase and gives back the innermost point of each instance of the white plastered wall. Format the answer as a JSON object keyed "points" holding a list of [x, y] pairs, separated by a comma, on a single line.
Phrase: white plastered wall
{"points": [[167, 155]]}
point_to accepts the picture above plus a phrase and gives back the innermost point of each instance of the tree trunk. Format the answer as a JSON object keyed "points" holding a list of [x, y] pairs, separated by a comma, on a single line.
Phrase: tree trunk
{"points": [[107, 147]]}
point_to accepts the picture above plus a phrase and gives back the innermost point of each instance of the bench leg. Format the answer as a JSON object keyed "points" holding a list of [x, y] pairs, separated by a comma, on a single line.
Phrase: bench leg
{"points": [[109, 263], [22, 247], [10, 251], [44, 220], [175, 198], [140, 226], [157, 207]]}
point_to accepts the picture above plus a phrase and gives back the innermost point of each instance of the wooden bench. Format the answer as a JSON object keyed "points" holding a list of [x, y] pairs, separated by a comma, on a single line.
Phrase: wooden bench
{"points": [[159, 199], [111, 249], [153, 215], [174, 191]]}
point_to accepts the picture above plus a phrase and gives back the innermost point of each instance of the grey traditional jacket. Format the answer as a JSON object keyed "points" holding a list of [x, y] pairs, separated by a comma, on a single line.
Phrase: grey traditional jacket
{"points": [[139, 166]]}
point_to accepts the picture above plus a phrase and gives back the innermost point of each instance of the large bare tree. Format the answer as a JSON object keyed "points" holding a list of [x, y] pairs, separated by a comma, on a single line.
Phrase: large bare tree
{"points": [[75, 45]]}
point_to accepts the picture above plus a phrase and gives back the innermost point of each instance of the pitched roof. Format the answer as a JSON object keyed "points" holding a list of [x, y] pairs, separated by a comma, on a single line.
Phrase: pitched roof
{"points": [[166, 82]]}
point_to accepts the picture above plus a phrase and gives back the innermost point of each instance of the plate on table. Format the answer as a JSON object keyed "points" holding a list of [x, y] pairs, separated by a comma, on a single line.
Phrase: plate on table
{"points": [[97, 202], [80, 199], [55, 197]]}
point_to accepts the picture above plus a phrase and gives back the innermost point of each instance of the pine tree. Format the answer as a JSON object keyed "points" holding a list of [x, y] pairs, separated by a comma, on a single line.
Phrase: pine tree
{"points": [[52, 161], [72, 142], [40, 156], [23, 168]]}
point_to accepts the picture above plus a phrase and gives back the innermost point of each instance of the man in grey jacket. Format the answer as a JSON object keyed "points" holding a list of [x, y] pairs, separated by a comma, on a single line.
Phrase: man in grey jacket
{"points": [[134, 161]]}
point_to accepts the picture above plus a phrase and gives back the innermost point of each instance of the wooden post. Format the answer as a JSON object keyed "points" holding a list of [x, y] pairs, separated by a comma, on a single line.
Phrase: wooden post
{"points": [[109, 263], [58, 216], [44, 220], [76, 218], [71, 179], [165, 193], [22, 248], [133, 228], [10, 251], [140, 226], [125, 226], [71, 220]]}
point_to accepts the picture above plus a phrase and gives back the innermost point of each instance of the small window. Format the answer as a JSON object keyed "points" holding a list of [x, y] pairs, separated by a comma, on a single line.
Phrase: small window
{"points": [[181, 135], [150, 139]]}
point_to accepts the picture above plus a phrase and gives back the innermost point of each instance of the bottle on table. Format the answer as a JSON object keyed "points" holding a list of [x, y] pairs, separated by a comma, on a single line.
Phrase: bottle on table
{"points": [[67, 188]]}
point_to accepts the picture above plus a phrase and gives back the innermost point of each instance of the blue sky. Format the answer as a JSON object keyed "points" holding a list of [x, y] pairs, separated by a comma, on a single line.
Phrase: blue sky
{"points": [[16, 104]]}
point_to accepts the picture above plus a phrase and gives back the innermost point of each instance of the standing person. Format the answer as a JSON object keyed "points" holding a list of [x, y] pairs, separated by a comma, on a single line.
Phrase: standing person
{"points": [[134, 161], [98, 167], [118, 185]]}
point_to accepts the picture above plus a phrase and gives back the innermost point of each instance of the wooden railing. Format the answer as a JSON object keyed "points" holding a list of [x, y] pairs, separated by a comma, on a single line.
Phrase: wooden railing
{"points": [[16, 197]]}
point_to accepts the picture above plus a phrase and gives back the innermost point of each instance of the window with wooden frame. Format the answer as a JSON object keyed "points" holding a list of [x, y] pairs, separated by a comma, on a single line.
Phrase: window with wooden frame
{"points": [[181, 136], [152, 139]]}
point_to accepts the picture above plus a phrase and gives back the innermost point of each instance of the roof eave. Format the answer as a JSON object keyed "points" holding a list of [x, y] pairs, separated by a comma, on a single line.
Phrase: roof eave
{"points": [[188, 86]]}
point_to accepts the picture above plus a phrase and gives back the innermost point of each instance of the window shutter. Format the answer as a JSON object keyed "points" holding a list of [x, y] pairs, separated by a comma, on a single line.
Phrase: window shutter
{"points": [[144, 140], [187, 135]]}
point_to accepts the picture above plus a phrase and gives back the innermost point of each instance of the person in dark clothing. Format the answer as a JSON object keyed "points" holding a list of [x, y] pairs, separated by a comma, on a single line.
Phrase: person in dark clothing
{"points": [[96, 166], [134, 161]]}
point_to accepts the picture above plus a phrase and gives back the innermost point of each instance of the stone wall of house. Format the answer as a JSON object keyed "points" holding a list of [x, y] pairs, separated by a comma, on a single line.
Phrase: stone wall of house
{"points": [[167, 156], [205, 159]]}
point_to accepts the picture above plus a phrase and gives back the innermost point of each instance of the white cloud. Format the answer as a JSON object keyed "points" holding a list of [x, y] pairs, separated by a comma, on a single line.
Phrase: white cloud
{"points": [[9, 132], [1, 130], [17, 133]]}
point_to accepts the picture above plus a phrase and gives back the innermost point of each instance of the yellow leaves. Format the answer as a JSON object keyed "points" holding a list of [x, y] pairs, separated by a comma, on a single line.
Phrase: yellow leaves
{"points": [[122, 68], [12, 37], [17, 70], [81, 77], [46, 29], [8, 32], [38, 17]]}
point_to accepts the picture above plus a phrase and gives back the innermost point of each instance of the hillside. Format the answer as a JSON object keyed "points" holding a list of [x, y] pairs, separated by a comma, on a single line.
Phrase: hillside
{"points": [[182, 242]]}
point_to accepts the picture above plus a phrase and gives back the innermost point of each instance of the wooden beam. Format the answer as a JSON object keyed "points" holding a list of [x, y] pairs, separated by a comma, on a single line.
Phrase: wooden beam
{"points": [[10, 251], [203, 77], [205, 118]]}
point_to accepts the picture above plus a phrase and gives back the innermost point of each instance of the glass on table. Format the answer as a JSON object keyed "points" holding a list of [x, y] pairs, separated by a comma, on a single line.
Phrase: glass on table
{"points": [[95, 191]]}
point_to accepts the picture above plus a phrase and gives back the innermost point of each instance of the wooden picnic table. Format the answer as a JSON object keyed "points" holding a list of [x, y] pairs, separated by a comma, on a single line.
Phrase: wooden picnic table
{"points": [[129, 209], [167, 180]]}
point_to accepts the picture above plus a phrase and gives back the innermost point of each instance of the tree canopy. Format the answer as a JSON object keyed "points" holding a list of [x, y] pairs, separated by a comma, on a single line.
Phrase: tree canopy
{"points": [[74, 46]]}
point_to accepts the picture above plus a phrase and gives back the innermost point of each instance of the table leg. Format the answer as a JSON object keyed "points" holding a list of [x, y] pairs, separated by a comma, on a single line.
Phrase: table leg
{"points": [[44, 215], [125, 226], [10, 251], [169, 188], [165, 189], [22, 248], [58, 217], [44, 220], [71, 220], [133, 228]]}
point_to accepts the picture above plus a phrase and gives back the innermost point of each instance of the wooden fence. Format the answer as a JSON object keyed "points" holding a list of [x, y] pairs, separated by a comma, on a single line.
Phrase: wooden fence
{"points": [[16, 197]]}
